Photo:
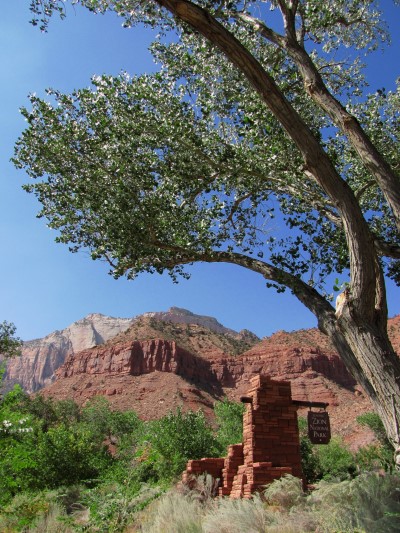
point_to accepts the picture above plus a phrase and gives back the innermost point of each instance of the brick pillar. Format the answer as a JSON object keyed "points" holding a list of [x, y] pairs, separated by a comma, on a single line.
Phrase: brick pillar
{"points": [[271, 444]]}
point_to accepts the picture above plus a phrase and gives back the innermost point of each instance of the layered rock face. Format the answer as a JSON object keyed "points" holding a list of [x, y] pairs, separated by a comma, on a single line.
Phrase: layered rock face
{"points": [[158, 355], [41, 357], [137, 358], [157, 365]]}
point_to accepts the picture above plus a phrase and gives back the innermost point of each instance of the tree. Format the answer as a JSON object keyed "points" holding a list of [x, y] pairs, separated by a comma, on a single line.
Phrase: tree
{"points": [[229, 418], [158, 172], [9, 344], [167, 444]]}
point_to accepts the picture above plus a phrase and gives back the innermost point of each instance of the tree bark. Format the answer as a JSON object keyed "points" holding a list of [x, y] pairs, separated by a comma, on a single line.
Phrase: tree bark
{"points": [[380, 365]]}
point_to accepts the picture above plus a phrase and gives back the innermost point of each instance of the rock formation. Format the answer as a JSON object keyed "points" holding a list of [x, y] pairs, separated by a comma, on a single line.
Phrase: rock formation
{"points": [[155, 375], [41, 357]]}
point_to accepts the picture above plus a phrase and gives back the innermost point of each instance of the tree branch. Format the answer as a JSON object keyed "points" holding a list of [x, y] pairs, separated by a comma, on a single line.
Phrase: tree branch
{"points": [[366, 281], [260, 27]]}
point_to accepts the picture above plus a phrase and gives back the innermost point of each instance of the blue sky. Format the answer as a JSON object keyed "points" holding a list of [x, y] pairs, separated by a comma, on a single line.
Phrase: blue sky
{"points": [[43, 287]]}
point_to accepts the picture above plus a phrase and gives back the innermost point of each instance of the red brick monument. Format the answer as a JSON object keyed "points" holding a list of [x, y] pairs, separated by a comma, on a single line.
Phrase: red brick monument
{"points": [[271, 444]]}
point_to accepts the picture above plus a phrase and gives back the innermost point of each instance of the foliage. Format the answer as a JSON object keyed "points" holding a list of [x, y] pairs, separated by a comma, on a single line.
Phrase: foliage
{"points": [[24, 510], [370, 503], [10, 345], [66, 455], [310, 464], [375, 456], [114, 505], [174, 513], [229, 418], [286, 492], [200, 119], [58, 476], [168, 443], [335, 460], [45, 446], [327, 461], [98, 415]]}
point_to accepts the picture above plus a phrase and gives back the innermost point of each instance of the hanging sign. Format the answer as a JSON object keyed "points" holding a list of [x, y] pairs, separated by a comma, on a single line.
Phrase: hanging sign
{"points": [[319, 429]]}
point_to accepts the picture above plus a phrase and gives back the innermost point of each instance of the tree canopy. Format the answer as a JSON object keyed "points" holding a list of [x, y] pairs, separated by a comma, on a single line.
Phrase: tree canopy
{"points": [[10, 344], [254, 144]]}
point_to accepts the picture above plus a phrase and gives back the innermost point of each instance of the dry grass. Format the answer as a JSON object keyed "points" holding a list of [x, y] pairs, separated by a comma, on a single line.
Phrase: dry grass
{"points": [[174, 513], [368, 504], [52, 522]]}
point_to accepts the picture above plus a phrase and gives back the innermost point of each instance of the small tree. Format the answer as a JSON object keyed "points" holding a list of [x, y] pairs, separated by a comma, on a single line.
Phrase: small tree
{"points": [[168, 443], [10, 345], [229, 418]]}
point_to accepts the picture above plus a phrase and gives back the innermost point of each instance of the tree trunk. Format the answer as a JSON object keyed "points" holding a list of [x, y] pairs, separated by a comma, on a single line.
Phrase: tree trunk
{"points": [[363, 344], [380, 367]]}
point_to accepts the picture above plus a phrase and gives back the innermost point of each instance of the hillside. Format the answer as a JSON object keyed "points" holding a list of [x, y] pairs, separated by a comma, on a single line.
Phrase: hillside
{"points": [[158, 361]]}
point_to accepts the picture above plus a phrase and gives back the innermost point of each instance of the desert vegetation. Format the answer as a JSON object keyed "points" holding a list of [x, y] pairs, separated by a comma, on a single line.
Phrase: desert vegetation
{"points": [[67, 468]]}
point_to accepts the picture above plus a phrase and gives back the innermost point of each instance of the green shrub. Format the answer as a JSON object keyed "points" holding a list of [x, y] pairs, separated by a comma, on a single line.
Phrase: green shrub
{"points": [[113, 506], [335, 461], [67, 455], [324, 461], [104, 422], [375, 456], [310, 462], [168, 443], [229, 418]]}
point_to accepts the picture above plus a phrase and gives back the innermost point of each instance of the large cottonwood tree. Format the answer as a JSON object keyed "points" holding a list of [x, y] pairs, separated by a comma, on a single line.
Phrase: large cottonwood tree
{"points": [[246, 119]]}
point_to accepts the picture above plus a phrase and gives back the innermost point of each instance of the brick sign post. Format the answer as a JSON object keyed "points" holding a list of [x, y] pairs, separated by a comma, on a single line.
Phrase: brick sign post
{"points": [[319, 429]]}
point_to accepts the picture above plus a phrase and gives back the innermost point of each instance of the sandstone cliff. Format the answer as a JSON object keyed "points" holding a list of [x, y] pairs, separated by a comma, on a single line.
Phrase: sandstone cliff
{"points": [[158, 361], [41, 357]]}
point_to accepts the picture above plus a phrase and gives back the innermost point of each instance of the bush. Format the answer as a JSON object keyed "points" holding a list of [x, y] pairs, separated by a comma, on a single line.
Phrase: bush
{"points": [[335, 461], [68, 455], [310, 463], [229, 418], [174, 513], [324, 461], [113, 506], [286, 492], [168, 443], [104, 422], [375, 456], [24, 510], [369, 503]]}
